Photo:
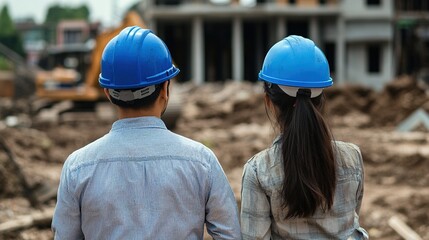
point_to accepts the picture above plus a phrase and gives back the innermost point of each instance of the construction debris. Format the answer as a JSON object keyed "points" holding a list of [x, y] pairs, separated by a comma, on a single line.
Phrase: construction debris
{"points": [[41, 218], [27, 189], [397, 101], [420, 118]]}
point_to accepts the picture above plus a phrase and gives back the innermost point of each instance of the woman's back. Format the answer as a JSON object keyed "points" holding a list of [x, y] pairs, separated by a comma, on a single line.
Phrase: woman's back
{"points": [[264, 180]]}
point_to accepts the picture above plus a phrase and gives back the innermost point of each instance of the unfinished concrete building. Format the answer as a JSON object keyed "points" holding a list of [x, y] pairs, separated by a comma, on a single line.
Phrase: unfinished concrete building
{"points": [[219, 40]]}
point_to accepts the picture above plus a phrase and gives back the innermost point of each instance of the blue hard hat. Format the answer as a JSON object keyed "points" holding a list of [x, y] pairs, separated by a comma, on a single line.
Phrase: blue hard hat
{"points": [[296, 62], [135, 58]]}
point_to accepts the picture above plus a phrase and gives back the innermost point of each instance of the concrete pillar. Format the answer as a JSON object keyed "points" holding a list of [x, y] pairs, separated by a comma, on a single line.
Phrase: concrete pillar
{"points": [[398, 49], [314, 31], [198, 51], [281, 29], [388, 61], [340, 52], [237, 50]]}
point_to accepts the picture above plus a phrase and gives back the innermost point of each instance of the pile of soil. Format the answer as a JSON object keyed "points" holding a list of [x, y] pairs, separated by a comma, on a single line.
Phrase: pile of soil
{"points": [[398, 100], [9, 186], [344, 100], [42, 146]]}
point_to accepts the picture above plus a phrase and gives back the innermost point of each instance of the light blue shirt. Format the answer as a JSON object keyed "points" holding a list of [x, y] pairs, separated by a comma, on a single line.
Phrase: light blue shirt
{"points": [[262, 214], [141, 181]]}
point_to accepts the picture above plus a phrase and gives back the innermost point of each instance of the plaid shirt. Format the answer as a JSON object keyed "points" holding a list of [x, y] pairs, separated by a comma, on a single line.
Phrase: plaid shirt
{"points": [[262, 216]]}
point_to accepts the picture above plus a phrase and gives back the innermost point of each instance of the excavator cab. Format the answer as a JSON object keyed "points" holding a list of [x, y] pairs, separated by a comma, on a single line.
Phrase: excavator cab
{"points": [[64, 74]]}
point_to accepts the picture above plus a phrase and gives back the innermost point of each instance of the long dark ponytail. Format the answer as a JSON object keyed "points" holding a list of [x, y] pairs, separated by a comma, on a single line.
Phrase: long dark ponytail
{"points": [[307, 152]]}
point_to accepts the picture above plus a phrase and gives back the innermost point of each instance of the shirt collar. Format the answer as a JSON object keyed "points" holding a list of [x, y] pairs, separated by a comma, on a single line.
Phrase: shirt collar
{"points": [[139, 122], [277, 140]]}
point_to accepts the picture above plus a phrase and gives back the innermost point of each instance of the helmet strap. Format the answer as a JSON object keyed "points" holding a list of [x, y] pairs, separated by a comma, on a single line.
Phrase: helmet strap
{"points": [[130, 95]]}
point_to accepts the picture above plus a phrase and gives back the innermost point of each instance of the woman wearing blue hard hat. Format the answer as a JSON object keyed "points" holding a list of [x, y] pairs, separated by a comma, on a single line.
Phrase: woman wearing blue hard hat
{"points": [[306, 185]]}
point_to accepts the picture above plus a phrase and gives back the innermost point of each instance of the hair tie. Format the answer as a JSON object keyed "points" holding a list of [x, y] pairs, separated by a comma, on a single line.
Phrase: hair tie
{"points": [[304, 92]]}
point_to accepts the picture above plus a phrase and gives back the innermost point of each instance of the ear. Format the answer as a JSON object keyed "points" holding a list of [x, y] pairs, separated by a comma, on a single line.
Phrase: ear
{"points": [[165, 90]]}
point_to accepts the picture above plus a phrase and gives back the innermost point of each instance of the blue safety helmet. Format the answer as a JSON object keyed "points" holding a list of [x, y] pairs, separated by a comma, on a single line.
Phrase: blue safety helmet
{"points": [[134, 59], [296, 62]]}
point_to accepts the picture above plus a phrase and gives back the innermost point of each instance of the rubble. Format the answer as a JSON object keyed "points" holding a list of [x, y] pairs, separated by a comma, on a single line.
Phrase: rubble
{"points": [[397, 101]]}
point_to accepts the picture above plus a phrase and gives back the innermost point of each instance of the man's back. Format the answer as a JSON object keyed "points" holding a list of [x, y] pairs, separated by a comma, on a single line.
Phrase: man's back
{"points": [[141, 181]]}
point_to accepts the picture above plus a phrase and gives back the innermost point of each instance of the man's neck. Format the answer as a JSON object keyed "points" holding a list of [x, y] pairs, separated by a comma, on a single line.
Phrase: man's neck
{"points": [[133, 113]]}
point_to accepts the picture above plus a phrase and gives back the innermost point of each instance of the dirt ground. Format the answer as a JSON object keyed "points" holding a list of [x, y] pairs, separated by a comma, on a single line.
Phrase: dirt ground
{"points": [[231, 120]]}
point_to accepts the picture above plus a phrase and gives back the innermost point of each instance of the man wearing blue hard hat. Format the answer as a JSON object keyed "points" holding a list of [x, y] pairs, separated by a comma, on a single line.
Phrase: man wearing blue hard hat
{"points": [[305, 185], [141, 181]]}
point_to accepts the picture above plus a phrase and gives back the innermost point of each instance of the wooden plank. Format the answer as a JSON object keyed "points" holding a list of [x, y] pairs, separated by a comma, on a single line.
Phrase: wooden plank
{"points": [[39, 218], [403, 229], [418, 118]]}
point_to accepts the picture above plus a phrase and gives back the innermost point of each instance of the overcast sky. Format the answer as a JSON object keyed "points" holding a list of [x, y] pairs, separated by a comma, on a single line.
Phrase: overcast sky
{"points": [[100, 9]]}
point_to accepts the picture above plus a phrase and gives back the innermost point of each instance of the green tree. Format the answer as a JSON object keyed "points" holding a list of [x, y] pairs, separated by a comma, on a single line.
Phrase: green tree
{"points": [[57, 13], [9, 36], [7, 27]]}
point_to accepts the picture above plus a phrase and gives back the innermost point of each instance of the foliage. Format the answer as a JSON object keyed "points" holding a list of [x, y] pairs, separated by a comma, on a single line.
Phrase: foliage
{"points": [[4, 64], [8, 33], [7, 27], [57, 13]]}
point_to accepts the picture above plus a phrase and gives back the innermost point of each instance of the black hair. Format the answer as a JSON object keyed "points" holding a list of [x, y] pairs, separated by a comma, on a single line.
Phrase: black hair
{"points": [[142, 103], [307, 152]]}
